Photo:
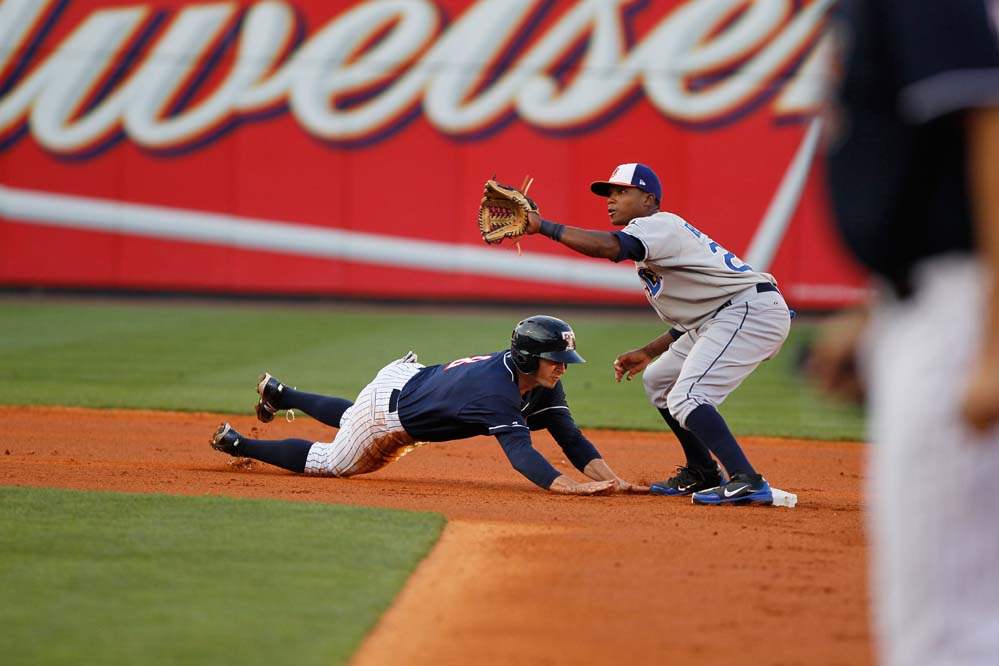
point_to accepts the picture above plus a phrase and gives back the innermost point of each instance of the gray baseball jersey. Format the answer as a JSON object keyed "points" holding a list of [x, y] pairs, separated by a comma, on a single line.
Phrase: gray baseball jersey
{"points": [[687, 276]]}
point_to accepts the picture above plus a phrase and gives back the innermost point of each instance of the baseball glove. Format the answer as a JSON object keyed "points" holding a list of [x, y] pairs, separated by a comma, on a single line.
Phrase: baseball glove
{"points": [[503, 211]]}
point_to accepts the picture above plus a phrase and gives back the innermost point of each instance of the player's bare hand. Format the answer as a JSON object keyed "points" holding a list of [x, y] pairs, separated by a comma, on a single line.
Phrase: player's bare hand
{"points": [[980, 407], [566, 486], [631, 363], [832, 359], [533, 223], [596, 488], [623, 486]]}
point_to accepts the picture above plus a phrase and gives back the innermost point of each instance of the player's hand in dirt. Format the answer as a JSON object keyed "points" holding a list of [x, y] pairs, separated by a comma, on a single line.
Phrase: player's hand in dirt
{"points": [[566, 486], [631, 363], [623, 486], [598, 470]]}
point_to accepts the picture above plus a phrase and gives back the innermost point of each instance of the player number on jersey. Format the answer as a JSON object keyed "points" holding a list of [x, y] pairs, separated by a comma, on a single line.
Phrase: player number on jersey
{"points": [[728, 257], [467, 359]]}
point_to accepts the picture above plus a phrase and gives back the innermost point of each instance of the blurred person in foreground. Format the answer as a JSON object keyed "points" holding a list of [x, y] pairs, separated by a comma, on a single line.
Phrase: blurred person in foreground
{"points": [[913, 167]]}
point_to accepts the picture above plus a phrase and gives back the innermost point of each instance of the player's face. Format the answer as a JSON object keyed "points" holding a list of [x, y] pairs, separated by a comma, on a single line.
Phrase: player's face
{"points": [[549, 372], [626, 203]]}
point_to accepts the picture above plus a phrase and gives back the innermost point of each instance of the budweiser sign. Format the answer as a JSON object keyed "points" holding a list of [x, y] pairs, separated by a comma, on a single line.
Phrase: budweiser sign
{"points": [[363, 72], [178, 144]]}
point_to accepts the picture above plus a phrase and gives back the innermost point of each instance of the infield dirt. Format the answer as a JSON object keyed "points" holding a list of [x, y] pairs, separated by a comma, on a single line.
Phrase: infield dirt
{"points": [[521, 576]]}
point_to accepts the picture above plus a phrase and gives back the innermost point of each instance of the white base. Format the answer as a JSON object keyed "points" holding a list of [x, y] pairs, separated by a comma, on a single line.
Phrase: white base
{"points": [[782, 498]]}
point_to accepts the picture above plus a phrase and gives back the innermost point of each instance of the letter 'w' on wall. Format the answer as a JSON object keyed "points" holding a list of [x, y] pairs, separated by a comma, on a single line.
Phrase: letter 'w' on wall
{"points": [[174, 145]]}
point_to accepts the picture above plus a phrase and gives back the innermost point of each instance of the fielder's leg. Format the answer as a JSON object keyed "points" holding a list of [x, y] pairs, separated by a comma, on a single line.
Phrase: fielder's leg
{"points": [[700, 471], [726, 350]]}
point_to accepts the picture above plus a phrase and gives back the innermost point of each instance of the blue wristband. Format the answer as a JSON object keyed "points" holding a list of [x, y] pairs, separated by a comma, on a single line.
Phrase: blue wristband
{"points": [[552, 229]]}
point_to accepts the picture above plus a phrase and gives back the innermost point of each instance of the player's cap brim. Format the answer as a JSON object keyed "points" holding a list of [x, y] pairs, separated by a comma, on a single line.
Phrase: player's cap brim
{"points": [[602, 187], [564, 356]]}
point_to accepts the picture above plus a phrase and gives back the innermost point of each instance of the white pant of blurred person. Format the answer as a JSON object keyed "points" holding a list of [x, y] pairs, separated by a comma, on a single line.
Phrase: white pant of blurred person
{"points": [[933, 481]]}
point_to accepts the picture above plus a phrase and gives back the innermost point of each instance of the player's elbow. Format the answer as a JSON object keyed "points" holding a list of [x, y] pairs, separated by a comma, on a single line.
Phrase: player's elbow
{"points": [[610, 248]]}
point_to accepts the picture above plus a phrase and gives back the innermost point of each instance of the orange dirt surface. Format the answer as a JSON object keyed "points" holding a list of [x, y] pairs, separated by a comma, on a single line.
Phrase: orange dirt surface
{"points": [[521, 576]]}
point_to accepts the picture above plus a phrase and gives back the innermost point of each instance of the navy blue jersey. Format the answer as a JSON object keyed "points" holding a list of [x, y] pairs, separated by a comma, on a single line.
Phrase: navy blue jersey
{"points": [[479, 395], [897, 164]]}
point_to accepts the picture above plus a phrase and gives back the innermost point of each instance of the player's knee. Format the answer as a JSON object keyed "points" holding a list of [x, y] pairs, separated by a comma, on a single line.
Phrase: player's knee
{"points": [[656, 387], [680, 403], [652, 390]]}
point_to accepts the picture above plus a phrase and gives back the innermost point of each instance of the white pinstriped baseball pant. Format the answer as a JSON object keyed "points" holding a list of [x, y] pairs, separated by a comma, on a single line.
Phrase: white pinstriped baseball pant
{"points": [[932, 480], [370, 436]]}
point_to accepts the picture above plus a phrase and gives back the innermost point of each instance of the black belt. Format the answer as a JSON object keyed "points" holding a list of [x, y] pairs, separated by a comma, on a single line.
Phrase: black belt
{"points": [[394, 400], [761, 288]]}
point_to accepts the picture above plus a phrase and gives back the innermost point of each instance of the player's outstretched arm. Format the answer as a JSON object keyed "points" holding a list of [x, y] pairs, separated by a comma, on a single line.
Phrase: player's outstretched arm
{"points": [[526, 460], [599, 470], [600, 244], [577, 448], [563, 485]]}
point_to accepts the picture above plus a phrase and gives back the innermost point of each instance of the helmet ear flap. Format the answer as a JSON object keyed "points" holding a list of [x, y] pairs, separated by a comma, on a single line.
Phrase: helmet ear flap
{"points": [[525, 362]]}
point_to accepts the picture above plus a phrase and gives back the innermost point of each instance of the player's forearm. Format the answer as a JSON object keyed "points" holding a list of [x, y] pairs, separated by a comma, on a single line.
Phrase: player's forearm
{"points": [[525, 459], [600, 244], [577, 448], [598, 470], [980, 405], [984, 168], [659, 346]]}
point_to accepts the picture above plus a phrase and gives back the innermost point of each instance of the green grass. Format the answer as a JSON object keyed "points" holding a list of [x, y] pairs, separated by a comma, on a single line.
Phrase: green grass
{"points": [[206, 357], [107, 578], [112, 578]]}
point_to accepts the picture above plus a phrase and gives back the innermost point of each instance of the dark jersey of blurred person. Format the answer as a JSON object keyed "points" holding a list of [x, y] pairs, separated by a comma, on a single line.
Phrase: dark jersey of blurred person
{"points": [[913, 141]]}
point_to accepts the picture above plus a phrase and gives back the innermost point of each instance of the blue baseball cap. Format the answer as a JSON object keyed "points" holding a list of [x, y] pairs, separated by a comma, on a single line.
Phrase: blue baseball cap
{"points": [[630, 175]]}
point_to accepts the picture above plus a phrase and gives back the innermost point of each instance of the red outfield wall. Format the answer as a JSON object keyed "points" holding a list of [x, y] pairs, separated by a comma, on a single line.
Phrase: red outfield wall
{"points": [[323, 147]]}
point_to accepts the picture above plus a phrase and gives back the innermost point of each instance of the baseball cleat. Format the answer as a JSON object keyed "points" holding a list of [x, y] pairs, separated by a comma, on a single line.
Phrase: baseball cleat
{"points": [[269, 389], [687, 481], [226, 439], [741, 489]]}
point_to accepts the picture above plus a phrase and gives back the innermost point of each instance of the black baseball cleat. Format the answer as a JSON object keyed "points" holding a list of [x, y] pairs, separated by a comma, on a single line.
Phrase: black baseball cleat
{"points": [[226, 440], [269, 389], [687, 481], [741, 489]]}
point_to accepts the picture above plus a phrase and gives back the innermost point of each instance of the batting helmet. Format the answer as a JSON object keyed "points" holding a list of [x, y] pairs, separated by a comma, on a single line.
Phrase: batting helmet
{"points": [[542, 337]]}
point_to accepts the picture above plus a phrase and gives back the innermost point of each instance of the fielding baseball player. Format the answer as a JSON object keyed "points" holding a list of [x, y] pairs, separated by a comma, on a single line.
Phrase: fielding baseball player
{"points": [[726, 317], [506, 394], [914, 175]]}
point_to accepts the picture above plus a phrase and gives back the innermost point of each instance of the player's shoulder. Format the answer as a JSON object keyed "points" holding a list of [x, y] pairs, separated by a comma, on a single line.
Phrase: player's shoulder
{"points": [[657, 223], [494, 370]]}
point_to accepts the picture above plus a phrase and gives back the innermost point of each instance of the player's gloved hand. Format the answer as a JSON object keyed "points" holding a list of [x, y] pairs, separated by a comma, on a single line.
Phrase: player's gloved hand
{"points": [[631, 363], [566, 486]]}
